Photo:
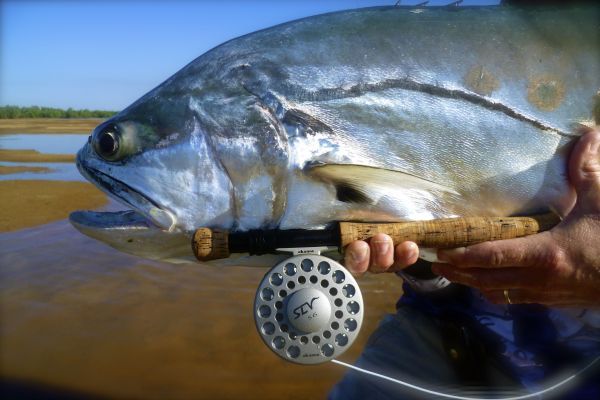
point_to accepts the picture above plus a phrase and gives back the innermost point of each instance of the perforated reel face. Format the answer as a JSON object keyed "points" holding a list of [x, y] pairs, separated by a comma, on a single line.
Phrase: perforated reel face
{"points": [[308, 309]]}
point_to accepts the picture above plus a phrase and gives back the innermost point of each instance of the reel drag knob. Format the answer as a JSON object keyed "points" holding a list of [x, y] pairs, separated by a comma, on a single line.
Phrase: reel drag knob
{"points": [[308, 309]]}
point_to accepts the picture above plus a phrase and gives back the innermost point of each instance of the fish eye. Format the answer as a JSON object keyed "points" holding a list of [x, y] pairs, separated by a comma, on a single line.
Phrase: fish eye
{"points": [[107, 143]]}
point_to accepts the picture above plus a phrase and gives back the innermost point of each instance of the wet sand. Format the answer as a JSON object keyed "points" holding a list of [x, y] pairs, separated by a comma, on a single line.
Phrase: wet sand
{"points": [[34, 156], [30, 203], [49, 125], [7, 170]]}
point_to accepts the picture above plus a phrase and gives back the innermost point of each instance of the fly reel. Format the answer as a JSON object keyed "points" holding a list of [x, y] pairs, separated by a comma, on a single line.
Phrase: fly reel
{"points": [[308, 309]]}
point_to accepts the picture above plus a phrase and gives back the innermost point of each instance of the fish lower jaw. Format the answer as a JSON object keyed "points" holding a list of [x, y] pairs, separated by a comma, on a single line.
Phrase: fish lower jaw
{"points": [[123, 220], [131, 232], [162, 218], [154, 216]]}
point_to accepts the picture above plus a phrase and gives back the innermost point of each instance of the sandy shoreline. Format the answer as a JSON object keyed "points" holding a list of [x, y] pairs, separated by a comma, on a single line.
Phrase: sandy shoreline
{"points": [[34, 156], [49, 125], [7, 170], [47, 201], [29, 203]]}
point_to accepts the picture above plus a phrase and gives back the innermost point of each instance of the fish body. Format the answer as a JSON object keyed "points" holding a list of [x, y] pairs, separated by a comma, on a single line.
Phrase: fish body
{"points": [[379, 114]]}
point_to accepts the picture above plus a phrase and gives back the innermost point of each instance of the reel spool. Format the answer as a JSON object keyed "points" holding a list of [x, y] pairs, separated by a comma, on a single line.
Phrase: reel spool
{"points": [[308, 309]]}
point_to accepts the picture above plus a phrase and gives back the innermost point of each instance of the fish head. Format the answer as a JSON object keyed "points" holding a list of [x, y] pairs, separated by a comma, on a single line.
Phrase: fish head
{"points": [[156, 158], [200, 150]]}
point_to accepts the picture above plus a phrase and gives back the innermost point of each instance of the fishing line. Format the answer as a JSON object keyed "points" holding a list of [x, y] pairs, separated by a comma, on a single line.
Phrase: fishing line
{"points": [[458, 397]]}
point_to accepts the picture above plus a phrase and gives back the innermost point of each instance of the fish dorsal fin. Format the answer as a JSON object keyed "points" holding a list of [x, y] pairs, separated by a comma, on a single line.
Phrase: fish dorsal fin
{"points": [[368, 185]]}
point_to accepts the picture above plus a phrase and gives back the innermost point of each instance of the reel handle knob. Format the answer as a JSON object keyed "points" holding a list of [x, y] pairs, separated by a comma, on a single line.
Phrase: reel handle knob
{"points": [[450, 232]]}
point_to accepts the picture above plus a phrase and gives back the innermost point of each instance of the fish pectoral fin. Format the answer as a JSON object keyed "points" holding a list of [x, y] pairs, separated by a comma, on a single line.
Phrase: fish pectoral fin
{"points": [[368, 185]]}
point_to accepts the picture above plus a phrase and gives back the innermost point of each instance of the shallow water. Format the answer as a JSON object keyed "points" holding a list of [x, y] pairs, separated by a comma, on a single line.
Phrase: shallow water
{"points": [[80, 316], [48, 144], [44, 143]]}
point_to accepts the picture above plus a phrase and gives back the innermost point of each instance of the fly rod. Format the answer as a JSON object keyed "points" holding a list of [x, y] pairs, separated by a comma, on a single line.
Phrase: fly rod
{"points": [[211, 244]]}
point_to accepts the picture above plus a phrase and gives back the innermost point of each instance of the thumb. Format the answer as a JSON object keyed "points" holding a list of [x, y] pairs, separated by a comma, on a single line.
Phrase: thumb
{"points": [[584, 171]]}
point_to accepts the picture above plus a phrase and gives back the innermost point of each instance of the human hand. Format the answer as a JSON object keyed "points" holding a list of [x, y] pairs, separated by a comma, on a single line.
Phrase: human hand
{"points": [[558, 267]]}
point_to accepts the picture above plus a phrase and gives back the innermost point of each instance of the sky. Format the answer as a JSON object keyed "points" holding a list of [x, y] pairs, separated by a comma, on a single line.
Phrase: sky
{"points": [[106, 54]]}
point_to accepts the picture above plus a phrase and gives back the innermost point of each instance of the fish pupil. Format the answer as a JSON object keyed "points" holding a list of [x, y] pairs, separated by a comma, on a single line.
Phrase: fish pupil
{"points": [[108, 143]]}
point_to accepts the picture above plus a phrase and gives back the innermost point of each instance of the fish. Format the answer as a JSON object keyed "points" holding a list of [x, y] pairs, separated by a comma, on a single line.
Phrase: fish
{"points": [[374, 114]]}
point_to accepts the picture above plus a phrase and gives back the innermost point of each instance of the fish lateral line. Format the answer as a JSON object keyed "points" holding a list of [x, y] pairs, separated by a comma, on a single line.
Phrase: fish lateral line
{"points": [[359, 89]]}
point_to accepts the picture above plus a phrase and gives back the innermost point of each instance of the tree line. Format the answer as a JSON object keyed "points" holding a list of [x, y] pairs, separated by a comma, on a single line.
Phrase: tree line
{"points": [[11, 112]]}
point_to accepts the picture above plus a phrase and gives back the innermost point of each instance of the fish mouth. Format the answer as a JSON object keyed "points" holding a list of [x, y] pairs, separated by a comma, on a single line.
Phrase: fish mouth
{"points": [[130, 232], [142, 204], [127, 220], [146, 231]]}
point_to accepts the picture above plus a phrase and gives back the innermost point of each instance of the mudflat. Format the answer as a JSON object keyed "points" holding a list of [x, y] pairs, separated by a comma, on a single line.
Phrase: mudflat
{"points": [[7, 170], [49, 125], [34, 156], [27, 203]]}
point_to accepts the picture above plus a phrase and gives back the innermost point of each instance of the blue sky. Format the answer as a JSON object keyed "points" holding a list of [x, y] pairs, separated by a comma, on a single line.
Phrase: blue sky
{"points": [[106, 54]]}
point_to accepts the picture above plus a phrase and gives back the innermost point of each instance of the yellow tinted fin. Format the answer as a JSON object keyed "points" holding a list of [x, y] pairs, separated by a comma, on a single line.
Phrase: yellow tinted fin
{"points": [[363, 184]]}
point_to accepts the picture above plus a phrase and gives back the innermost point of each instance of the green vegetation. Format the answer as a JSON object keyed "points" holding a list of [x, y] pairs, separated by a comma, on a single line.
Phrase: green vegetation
{"points": [[13, 112]]}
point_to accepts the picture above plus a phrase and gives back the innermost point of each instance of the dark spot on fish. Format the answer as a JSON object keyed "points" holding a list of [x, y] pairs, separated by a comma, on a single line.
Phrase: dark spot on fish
{"points": [[129, 240], [546, 92], [310, 124], [349, 194], [481, 81]]}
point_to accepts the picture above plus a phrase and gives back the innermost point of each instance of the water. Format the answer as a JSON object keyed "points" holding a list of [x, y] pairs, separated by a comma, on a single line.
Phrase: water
{"points": [[48, 144], [80, 316], [44, 143]]}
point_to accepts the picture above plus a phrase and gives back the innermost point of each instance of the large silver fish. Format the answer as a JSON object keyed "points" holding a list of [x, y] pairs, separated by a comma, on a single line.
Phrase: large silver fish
{"points": [[377, 114]]}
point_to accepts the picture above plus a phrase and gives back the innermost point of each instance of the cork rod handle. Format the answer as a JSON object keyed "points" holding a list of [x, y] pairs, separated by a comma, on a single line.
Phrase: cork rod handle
{"points": [[210, 244], [450, 232]]}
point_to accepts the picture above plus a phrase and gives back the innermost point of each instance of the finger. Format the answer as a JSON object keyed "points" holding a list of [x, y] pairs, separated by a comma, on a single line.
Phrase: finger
{"points": [[584, 171], [519, 296], [356, 257], [406, 253], [492, 279], [535, 250], [382, 253]]}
